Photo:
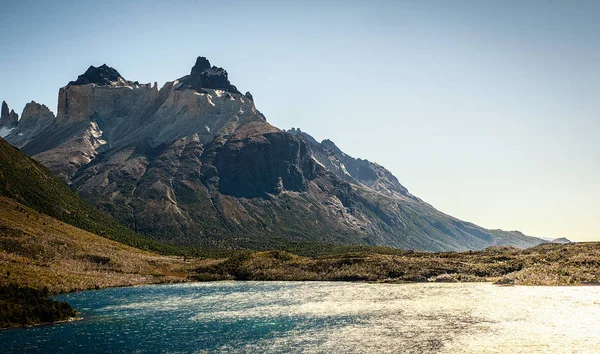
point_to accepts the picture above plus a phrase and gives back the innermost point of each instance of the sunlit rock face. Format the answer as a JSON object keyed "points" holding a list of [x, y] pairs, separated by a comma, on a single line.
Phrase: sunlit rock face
{"points": [[195, 163]]}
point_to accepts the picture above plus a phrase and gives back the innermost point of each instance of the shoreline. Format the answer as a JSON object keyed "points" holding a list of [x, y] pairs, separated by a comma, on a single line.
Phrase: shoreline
{"points": [[71, 319], [576, 264]]}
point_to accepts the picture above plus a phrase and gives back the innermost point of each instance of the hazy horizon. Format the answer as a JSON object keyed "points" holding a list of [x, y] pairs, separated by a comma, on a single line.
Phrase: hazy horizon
{"points": [[488, 111]]}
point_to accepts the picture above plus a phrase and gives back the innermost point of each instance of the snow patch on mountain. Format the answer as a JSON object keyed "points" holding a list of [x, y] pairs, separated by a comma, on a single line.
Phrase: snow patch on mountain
{"points": [[4, 131]]}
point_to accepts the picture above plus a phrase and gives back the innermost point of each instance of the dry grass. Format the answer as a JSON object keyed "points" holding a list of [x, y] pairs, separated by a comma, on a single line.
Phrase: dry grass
{"points": [[552, 264], [38, 251]]}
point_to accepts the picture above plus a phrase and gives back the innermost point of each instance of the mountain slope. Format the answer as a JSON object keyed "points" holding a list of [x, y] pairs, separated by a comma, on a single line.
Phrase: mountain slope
{"points": [[196, 164], [31, 184], [39, 252], [40, 248]]}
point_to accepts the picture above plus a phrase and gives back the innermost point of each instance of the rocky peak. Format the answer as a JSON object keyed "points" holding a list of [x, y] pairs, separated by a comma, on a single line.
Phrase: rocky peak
{"points": [[103, 75], [8, 118], [202, 64], [306, 137], [203, 75], [330, 145], [5, 110], [34, 110], [34, 119]]}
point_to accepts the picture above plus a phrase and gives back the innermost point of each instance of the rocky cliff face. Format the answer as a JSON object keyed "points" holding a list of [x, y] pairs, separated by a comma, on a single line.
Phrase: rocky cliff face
{"points": [[8, 120], [195, 163], [34, 119], [356, 171]]}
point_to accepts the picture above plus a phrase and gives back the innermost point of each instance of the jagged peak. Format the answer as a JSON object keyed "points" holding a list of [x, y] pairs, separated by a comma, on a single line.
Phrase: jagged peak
{"points": [[330, 145], [102, 75], [201, 65], [203, 75], [306, 136], [33, 105], [5, 110], [8, 118]]}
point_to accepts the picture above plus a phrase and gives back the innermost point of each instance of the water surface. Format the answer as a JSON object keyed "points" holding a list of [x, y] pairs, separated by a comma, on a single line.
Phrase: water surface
{"points": [[324, 317]]}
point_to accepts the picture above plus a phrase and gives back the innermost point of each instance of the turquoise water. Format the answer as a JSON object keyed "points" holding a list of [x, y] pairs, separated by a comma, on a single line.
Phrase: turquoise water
{"points": [[321, 317]]}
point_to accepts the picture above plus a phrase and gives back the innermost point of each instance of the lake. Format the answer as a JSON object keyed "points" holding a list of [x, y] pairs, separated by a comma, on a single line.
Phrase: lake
{"points": [[328, 317]]}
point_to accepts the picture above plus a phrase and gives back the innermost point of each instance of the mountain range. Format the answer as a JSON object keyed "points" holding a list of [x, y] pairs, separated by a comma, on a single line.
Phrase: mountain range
{"points": [[195, 163]]}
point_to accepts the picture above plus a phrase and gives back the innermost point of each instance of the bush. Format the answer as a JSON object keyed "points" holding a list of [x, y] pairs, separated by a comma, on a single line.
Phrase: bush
{"points": [[26, 306]]}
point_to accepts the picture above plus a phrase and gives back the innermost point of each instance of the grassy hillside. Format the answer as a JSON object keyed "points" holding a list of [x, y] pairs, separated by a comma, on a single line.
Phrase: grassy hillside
{"points": [[31, 184], [37, 251]]}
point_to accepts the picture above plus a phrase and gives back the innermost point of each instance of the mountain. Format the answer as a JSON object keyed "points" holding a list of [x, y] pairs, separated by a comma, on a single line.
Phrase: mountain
{"points": [[196, 164]]}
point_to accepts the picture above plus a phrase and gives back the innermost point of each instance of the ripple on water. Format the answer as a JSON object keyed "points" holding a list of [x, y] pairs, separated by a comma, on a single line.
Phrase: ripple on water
{"points": [[322, 317]]}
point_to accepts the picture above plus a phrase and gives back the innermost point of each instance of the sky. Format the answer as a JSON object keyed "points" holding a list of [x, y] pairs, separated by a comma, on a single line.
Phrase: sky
{"points": [[488, 110]]}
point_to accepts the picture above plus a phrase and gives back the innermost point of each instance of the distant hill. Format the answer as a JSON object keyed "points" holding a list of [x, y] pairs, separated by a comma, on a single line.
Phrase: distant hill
{"points": [[556, 240]]}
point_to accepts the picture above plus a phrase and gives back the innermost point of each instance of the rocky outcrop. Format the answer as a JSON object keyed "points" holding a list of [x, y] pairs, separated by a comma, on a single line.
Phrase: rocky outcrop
{"points": [[196, 164], [5, 115], [103, 75], [96, 102], [34, 119], [8, 120], [205, 76]]}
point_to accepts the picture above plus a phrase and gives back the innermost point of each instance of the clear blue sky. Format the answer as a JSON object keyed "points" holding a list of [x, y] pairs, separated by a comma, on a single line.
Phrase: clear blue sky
{"points": [[488, 110]]}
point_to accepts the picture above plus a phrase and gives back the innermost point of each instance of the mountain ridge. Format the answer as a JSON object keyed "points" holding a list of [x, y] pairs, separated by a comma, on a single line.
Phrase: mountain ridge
{"points": [[201, 166]]}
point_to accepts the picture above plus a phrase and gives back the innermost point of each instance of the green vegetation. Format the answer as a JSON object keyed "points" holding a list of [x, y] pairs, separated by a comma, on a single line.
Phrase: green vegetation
{"points": [[25, 306], [28, 182], [307, 249]]}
